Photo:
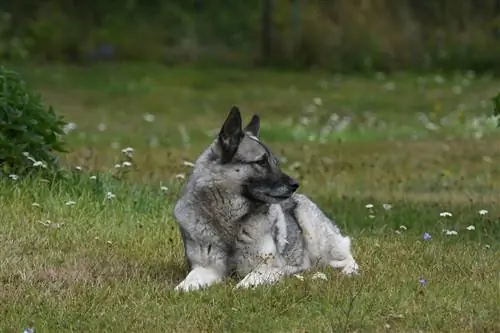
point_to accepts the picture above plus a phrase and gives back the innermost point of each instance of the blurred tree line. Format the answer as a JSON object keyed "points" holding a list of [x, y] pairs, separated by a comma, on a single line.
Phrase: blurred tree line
{"points": [[339, 35]]}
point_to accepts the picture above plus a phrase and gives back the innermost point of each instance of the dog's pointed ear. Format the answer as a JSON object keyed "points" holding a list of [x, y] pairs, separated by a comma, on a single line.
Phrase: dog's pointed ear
{"points": [[253, 126], [230, 135]]}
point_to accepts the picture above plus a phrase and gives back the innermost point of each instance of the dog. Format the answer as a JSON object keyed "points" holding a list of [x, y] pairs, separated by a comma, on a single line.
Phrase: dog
{"points": [[239, 214]]}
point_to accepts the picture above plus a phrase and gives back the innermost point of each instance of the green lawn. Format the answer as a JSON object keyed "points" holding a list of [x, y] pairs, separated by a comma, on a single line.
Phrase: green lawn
{"points": [[101, 252]]}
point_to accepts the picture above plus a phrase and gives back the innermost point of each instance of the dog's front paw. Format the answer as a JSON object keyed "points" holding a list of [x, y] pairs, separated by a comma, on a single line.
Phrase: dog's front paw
{"points": [[251, 280], [197, 279], [186, 286], [351, 269]]}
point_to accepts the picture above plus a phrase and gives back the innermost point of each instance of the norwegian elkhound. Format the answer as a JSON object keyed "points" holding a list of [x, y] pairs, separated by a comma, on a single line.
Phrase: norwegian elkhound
{"points": [[239, 213]]}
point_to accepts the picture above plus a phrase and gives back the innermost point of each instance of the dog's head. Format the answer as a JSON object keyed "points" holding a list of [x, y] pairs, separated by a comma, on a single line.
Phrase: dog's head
{"points": [[250, 163]]}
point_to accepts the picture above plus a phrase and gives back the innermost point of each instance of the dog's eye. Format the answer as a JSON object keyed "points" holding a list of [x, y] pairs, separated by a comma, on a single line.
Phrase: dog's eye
{"points": [[262, 162]]}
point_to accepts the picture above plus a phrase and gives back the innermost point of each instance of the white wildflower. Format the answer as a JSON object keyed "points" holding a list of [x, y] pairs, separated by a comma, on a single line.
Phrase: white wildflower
{"points": [[319, 275], [402, 227], [35, 204], [371, 216], [298, 276], [70, 203], [79, 168], [318, 101], [13, 177], [93, 177], [129, 151], [369, 206], [41, 164], [450, 232], [445, 214], [126, 164], [69, 127], [101, 127], [387, 206], [483, 212], [149, 117], [188, 164], [471, 227], [164, 188], [180, 176], [110, 195], [118, 166]]}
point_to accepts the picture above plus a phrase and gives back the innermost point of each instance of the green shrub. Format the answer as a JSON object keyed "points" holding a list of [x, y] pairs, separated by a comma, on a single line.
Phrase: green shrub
{"points": [[30, 132]]}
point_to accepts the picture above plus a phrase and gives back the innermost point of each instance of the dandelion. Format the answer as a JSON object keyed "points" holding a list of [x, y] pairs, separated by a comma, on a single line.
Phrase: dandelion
{"points": [[387, 206], [427, 236], [126, 164], [149, 117], [129, 151], [445, 214], [483, 212], [422, 281], [13, 177], [188, 164], [110, 195], [369, 206], [319, 275], [70, 203], [471, 227]]}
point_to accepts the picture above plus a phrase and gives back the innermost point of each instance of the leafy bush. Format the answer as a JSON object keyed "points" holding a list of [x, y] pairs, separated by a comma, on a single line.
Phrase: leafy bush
{"points": [[30, 132]]}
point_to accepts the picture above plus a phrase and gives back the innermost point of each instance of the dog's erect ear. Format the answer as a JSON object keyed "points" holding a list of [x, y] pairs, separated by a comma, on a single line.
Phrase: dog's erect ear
{"points": [[253, 126], [230, 135]]}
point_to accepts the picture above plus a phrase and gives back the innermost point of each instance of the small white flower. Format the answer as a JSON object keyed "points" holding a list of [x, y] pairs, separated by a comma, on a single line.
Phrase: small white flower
{"points": [[180, 176], [371, 216], [101, 127], [188, 164], [14, 177], [483, 212], [129, 151], [164, 188], [298, 276], [69, 127], [318, 101], [398, 232], [445, 214], [369, 206], [35, 204], [402, 227], [387, 206], [70, 203], [126, 164], [41, 164], [93, 177], [471, 227], [118, 166], [487, 246], [450, 232], [110, 195], [319, 275], [79, 168], [149, 117]]}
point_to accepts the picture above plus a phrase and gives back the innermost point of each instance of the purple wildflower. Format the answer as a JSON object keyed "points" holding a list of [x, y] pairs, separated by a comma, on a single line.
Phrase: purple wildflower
{"points": [[422, 281], [427, 236]]}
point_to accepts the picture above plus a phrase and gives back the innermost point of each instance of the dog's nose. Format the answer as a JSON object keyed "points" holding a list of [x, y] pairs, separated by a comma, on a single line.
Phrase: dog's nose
{"points": [[294, 185]]}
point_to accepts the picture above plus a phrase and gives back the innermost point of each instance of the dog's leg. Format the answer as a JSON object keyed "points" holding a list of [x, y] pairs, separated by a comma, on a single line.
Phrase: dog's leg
{"points": [[199, 277], [325, 243]]}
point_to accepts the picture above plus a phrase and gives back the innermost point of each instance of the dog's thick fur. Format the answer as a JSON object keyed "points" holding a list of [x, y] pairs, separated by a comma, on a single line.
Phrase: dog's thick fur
{"points": [[239, 213]]}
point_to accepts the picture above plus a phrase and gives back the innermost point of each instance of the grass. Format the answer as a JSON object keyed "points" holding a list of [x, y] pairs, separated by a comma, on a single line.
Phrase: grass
{"points": [[74, 258]]}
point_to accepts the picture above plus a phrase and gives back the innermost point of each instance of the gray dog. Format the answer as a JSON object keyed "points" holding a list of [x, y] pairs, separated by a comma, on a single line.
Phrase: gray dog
{"points": [[239, 213]]}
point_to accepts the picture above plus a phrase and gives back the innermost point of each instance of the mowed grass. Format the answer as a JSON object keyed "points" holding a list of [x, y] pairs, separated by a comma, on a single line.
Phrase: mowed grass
{"points": [[100, 252]]}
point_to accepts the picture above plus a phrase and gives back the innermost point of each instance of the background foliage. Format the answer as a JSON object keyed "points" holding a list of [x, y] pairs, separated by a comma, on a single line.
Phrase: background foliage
{"points": [[345, 35]]}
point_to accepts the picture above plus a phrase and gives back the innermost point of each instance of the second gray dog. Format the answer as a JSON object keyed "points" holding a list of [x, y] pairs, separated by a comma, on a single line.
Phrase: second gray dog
{"points": [[239, 213]]}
